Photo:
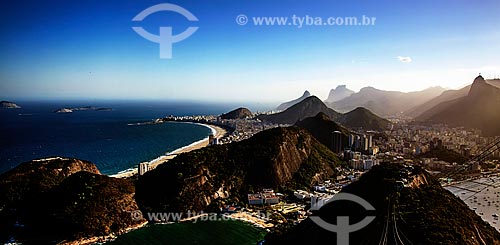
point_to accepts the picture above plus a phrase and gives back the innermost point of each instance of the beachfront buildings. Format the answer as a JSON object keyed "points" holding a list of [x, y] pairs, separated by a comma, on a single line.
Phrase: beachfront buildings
{"points": [[267, 196], [143, 168]]}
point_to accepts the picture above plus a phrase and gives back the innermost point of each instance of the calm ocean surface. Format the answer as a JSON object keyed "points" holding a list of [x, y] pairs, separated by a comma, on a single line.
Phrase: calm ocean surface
{"points": [[102, 137]]}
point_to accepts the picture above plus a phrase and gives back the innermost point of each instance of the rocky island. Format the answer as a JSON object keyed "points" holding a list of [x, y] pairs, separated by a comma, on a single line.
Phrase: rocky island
{"points": [[8, 105], [85, 108]]}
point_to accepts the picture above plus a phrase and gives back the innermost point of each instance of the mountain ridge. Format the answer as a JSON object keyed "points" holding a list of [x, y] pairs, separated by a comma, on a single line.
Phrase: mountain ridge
{"points": [[288, 104], [479, 109], [385, 103], [311, 106], [339, 93]]}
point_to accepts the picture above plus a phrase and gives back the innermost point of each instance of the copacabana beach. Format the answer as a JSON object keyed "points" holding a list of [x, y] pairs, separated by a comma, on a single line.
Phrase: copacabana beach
{"points": [[216, 131]]}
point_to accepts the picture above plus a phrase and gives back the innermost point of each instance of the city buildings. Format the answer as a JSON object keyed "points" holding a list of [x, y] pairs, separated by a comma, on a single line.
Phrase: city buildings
{"points": [[143, 167]]}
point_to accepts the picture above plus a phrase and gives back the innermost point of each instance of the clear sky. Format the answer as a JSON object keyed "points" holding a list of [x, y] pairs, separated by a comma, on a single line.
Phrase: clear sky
{"points": [[87, 49]]}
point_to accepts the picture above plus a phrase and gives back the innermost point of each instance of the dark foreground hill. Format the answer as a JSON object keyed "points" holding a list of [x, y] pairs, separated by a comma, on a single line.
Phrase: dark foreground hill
{"points": [[421, 213], [364, 119], [279, 157], [63, 199], [321, 127], [479, 109]]}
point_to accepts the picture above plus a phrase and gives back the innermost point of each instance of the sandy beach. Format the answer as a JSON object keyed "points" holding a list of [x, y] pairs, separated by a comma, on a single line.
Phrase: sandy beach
{"points": [[217, 131]]}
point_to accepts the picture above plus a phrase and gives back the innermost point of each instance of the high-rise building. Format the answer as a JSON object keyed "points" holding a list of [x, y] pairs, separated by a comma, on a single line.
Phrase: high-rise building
{"points": [[364, 143], [337, 141], [352, 139], [143, 168]]}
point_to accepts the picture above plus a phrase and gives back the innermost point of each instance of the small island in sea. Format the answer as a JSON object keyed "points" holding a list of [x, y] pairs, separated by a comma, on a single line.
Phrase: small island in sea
{"points": [[8, 105], [85, 108]]}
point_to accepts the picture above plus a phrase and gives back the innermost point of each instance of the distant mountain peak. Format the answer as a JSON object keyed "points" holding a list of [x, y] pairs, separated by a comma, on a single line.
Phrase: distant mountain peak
{"points": [[385, 103], [478, 109], [479, 86], [308, 107], [479, 79], [368, 88], [288, 104], [339, 93]]}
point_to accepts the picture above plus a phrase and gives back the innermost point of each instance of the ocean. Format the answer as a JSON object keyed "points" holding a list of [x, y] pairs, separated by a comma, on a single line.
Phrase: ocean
{"points": [[102, 137]]}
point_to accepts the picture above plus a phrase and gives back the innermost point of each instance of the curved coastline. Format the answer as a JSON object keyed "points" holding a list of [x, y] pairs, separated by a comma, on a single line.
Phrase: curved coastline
{"points": [[217, 131]]}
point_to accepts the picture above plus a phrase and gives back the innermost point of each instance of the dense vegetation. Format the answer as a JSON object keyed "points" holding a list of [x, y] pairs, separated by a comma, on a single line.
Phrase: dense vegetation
{"points": [[424, 213], [280, 157], [60, 200]]}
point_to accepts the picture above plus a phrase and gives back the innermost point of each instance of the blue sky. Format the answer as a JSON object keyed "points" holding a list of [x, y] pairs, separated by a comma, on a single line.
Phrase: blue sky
{"points": [[75, 50]]}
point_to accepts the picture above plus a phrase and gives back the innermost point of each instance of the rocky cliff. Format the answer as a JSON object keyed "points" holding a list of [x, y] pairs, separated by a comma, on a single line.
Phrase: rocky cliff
{"points": [[8, 105], [62, 199]]}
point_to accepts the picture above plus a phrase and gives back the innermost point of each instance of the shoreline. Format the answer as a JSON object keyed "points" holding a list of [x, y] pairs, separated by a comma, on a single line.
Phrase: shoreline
{"points": [[216, 130]]}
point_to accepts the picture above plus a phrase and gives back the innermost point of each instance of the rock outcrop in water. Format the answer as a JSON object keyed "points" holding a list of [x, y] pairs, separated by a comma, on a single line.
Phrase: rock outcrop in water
{"points": [[8, 105]]}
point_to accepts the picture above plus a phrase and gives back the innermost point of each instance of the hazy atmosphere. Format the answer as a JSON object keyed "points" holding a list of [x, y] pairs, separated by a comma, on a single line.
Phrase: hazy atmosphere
{"points": [[73, 50]]}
